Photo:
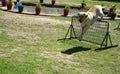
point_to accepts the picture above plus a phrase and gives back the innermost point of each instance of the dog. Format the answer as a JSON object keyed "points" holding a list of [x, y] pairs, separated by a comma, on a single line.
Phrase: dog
{"points": [[88, 18]]}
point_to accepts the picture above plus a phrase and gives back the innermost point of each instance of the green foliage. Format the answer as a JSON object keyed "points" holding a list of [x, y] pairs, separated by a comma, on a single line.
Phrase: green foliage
{"points": [[107, 0], [83, 0], [41, 1], [38, 5], [9, 1], [2, 0], [102, 4], [67, 7], [3, 37]]}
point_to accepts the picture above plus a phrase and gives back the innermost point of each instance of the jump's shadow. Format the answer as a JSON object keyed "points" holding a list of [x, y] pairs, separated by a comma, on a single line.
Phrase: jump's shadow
{"points": [[75, 49], [117, 29]]}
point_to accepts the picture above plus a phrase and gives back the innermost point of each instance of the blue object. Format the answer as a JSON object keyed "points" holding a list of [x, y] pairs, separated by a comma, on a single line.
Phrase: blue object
{"points": [[17, 5]]}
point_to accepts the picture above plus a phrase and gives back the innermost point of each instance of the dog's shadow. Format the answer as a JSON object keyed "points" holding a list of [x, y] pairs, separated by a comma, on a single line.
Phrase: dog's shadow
{"points": [[75, 49]]}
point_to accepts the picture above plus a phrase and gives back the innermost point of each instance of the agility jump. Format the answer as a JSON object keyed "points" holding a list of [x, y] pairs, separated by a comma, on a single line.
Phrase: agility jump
{"points": [[98, 33], [85, 27]]}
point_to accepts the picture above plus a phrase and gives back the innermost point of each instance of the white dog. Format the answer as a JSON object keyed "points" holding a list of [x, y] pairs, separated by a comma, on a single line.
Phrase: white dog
{"points": [[88, 18]]}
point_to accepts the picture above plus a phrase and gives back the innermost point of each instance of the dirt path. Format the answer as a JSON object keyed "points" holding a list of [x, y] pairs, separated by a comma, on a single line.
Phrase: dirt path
{"points": [[30, 19]]}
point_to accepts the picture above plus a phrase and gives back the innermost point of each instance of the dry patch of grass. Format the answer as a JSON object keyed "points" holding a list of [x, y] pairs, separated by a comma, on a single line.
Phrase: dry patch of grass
{"points": [[27, 26], [31, 19]]}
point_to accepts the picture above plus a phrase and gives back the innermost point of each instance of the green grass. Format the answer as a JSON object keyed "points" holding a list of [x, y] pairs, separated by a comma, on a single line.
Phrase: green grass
{"points": [[78, 2], [34, 49], [60, 18]]}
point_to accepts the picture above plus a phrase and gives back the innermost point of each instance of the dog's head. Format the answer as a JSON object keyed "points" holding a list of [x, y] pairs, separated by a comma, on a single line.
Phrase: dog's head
{"points": [[82, 17]]}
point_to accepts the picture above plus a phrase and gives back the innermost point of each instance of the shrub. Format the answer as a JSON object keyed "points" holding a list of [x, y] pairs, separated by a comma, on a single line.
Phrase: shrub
{"points": [[38, 5], [67, 7]]}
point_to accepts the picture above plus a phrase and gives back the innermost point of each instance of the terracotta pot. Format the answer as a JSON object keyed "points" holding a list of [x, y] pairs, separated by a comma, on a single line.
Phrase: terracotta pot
{"points": [[53, 2], [37, 11], [4, 3], [9, 6], [111, 10], [66, 12]]}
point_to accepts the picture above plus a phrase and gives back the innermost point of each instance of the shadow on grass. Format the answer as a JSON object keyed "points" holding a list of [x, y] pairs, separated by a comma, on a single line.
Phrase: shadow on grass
{"points": [[117, 29], [75, 49]]}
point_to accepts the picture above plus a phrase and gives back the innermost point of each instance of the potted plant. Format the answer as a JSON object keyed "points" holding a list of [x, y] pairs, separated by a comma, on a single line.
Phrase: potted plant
{"points": [[53, 2], [9, 5], [41, 1], [38, 8], [66, 10], [83, 4], [4, 2], [20, 9]]}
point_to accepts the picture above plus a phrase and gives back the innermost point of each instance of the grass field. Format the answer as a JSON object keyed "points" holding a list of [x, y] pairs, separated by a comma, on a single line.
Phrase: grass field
{"points": [[28, 45], [77, 2]]}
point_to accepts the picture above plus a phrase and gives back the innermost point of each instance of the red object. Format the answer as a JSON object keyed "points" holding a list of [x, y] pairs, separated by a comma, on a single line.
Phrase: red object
{"points": [[9, 6], [4, 3], [111, 9], [37, 10], [53, 2], [66, 12]]}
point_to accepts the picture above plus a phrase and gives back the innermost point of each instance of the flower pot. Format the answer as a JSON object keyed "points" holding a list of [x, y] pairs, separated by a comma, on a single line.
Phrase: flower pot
{"points": [[53, 2], [9, 6], [65, 12], [4, 3], [37, 11], [113, 17], [83, 5], [20, 9], [41, 1]]}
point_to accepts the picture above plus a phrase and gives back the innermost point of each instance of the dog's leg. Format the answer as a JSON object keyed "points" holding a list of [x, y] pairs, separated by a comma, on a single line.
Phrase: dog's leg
{"points": [[84, 30], [81, 35]]}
